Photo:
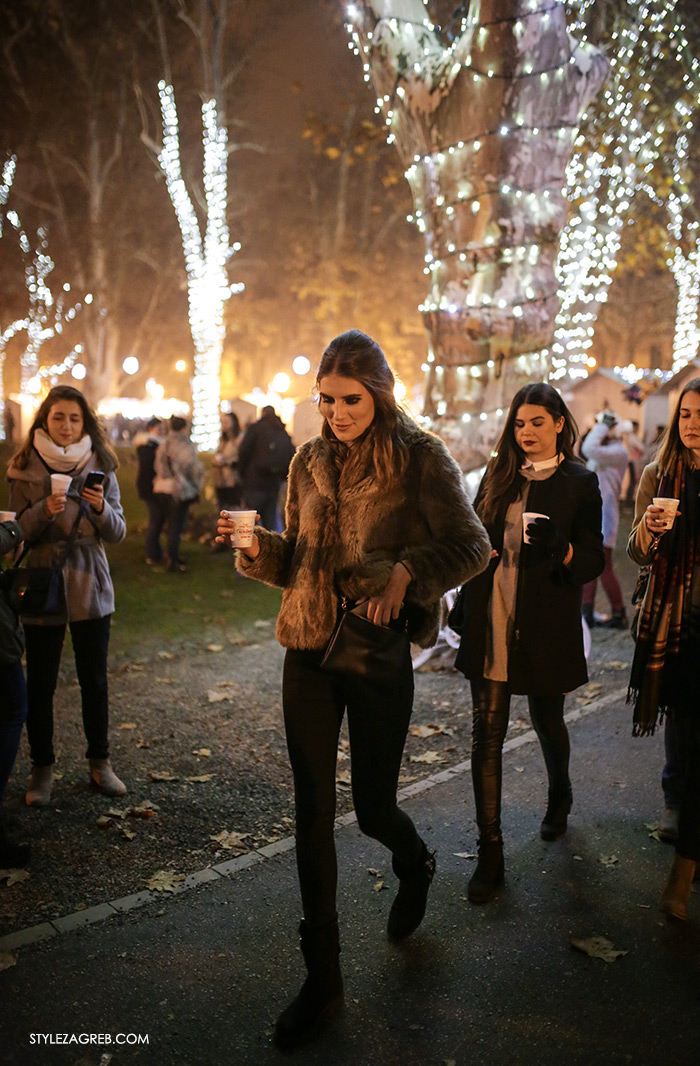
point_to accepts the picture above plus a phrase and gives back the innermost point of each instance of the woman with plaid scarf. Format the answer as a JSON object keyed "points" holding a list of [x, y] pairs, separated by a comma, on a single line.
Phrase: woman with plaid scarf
{"points": [[665, 677]]}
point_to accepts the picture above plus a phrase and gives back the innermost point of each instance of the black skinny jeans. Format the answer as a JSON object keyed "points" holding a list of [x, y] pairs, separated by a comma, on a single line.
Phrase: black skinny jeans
{"points": [[491, 702], [687, 729], [44, 645], [378, 719]]}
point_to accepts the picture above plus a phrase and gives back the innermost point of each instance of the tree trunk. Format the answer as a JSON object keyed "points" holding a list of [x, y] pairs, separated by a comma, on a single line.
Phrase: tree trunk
{"points": [[485, 128]]}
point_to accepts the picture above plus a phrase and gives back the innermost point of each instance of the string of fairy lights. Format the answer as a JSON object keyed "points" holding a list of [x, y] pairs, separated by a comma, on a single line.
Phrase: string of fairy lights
{"points": [[602, 184], [491, 231], [206, 258]]}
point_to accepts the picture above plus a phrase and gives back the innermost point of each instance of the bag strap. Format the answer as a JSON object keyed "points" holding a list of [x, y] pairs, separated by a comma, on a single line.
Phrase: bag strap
{"points": [[68, 545]]}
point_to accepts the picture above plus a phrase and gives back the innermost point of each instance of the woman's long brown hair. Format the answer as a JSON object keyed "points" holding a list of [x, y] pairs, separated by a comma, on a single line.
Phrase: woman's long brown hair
{"points": [[106, 456], [355, 355], [671, 447], [508, 456]]}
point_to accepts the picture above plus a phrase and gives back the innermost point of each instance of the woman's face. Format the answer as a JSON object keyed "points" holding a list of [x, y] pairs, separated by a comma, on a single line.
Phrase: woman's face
{"points": [[64, 422], [689, 424], [346, 405], [536, 432]]}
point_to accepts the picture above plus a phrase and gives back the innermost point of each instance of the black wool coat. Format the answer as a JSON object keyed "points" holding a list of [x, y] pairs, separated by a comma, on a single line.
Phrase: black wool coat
{"points": [[546, 654]]}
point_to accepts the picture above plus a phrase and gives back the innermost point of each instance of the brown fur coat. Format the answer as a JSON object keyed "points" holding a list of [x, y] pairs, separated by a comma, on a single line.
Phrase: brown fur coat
{"points": [[347, 537]]}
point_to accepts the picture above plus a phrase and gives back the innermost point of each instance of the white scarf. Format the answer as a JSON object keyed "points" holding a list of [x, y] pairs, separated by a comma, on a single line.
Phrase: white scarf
{"points": [[63, 460]]}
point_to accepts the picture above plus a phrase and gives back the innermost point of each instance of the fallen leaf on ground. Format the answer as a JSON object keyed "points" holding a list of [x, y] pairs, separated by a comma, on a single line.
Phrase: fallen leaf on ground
{"points": [[162, 775], [103, 821], [230, 839], [344, 777], [608, 860], [143, 744], [379, 887], [128, 725], [218, 697], [598, 947], [202, 751], [215, 647], [13, 876], [428, 757], [519, 769], [164, 881], [430, 730], [7, 960], [166, 680], [262, 623], [126, 830], [373, 872], [165, 655], [200, 777], [237, 640], [615, 664], [464, 855]]}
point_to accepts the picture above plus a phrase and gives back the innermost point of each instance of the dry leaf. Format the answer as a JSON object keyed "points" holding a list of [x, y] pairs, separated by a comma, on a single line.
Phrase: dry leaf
{"points": [[428, 756], [230, 840], [103, 821], [262, 623], [598, 947], [126, 831], [615, 664], [608, 860], [164, 881], [165, 655], [217, 697], [166, 680], [430, 730], [13, 876], [215, 647], [344, 777], [464, 855], [162, 775], [147, 809], [379, 887], [7, 960], [200, 777], [143, 744], [128, 725], [202, 751]]}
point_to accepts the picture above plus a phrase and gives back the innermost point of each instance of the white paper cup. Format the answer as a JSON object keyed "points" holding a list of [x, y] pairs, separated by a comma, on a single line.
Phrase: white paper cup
{"points": [[528, 517], [60, 483], [244, 524], [7, 516], [670, 506]]}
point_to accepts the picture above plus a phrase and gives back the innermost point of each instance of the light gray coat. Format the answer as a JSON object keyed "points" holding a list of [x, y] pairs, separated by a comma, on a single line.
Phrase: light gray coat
{"points": [[88, 583], [348, 537]]}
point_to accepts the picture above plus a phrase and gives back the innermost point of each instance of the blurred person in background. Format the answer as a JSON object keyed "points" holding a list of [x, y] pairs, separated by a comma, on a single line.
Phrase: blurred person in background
{"points": [[146, 444], [607, 456], [177, 484], [66, 437]]}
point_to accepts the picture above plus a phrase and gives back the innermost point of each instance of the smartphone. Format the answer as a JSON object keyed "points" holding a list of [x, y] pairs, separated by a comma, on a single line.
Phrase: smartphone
{"points": [[94, 478]]}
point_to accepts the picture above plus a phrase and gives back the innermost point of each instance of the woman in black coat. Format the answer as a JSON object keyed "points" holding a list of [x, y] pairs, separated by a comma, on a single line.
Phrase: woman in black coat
{"points": [[522, 616]]}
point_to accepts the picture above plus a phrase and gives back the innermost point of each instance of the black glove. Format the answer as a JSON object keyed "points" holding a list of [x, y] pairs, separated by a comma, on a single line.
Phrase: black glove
{"points": [[548, 539]]}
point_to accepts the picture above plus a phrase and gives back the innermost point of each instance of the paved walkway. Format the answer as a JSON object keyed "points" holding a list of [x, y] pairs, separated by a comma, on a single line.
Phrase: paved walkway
{"points": [[202, 974]]}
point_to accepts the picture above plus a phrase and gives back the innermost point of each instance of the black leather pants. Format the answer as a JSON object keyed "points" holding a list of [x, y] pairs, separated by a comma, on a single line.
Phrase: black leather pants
{"points": [[491, 701]]}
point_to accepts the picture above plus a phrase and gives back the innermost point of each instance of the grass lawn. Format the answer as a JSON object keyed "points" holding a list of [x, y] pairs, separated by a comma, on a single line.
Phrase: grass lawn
{"points": [[158, 611]]}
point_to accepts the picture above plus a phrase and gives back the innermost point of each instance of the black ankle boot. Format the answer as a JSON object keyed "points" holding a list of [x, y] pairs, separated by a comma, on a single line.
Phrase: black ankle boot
{"points": [[555, 818], [12, 855], [489, 872], [617, 620], [408, 908], [321, 995]]}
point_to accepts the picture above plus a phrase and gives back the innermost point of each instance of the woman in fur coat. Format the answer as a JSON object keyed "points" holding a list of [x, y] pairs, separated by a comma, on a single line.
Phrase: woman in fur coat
{"points": [[66, 437], [522, 630], [376, 514]]}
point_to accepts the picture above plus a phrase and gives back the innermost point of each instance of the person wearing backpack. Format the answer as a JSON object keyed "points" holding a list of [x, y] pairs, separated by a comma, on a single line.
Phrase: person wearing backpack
{"points": [[263, 462]]}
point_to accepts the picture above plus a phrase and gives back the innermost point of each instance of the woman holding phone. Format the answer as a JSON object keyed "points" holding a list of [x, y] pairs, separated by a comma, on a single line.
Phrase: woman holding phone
{"points": [[67, 439], [522, 631]]}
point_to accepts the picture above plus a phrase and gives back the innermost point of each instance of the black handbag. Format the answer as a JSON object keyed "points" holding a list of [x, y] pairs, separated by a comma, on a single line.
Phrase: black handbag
{"points": [[34, 591], [457, 616], [361, 649]]}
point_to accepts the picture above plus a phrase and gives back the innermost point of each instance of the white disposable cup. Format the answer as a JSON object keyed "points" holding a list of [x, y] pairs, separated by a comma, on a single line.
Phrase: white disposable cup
{"points": [[243, 527], [60, 483], [670, 506], [530, 516], [7, 516]]}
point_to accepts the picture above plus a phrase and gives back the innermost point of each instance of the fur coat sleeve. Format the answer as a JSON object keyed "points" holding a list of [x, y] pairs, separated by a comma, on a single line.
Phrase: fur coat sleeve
{"points": [[347, 538]]}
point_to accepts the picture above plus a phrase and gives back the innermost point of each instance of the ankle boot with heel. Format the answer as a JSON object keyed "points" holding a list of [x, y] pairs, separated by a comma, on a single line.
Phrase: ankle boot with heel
{"points": [[321, 995]]}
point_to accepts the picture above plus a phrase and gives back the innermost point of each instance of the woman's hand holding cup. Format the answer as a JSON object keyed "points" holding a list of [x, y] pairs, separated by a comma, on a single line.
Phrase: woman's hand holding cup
{"points": [[660, 515], [228, 529]]}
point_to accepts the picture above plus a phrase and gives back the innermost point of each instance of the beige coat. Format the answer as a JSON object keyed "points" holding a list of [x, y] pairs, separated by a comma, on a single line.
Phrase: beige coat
{"points": [[347, 538]]}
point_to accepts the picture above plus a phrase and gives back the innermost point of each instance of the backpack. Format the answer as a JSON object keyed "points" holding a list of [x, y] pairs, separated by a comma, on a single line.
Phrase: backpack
{"points": [[277, 455]]}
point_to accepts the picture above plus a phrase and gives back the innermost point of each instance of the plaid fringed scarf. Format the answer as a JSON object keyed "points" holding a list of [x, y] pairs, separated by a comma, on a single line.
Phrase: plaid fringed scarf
{"points": [[669, 616]]}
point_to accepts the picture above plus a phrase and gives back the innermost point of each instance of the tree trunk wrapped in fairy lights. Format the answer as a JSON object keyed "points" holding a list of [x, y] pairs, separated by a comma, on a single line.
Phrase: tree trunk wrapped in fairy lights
{"points": [[485, 125]]}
